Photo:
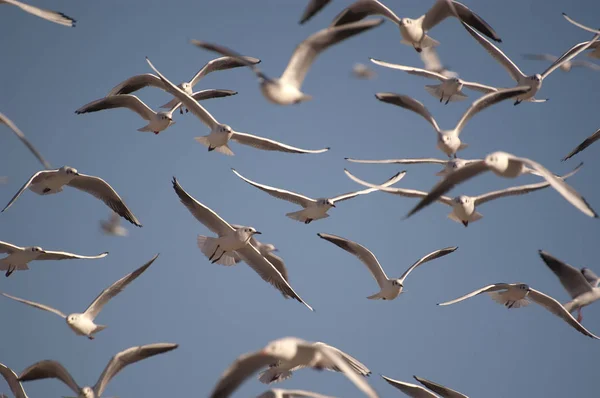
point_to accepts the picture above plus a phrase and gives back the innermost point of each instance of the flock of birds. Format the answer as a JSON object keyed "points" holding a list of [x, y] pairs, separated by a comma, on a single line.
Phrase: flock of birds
{"points": [[232, 244]]}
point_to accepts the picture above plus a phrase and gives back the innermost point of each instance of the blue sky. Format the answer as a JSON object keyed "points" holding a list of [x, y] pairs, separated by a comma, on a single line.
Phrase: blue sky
{"points": [[215, 313]]}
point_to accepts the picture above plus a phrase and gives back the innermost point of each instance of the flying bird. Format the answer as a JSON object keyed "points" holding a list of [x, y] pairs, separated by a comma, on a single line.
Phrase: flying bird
{"points": [[586, 143], [389, 288], [12, 380], [362, 71], [450, 165], [565, 66], [113, 226], [48, 15], [47, 182], [221, 134], [53, 370], [448, 141], [312, 8], [414, 31], [416, 391], [313, 209], [19, 257], [231, 239], [24, 140], [286, 90], [517, 295], [83, 323]]}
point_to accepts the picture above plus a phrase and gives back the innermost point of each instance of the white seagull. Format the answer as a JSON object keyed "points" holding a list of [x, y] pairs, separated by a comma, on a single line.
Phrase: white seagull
{"points": [[286, 90], [565, 66], [464, 208], [450, 87], [221, 134], [312, 8], [414, 31], [581, 284], [517, 295], [533, 81], [231, 239], [595, 46], [389, 288], [48, 15], [504, 165], [362, 71], [290, 352], [448, 141], [13, 382], [83, 323], [53, 370], [18, 257], [113, 226], [586, 143], [24, 140], [450, 165], [313, 209], [416, 391], [47, 182], [280, 393]]}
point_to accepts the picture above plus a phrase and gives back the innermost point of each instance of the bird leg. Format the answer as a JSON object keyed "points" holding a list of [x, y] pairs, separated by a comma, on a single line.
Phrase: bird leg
{"points": [[215, 252], [9, 271], [308, 220], [91, 337], [211, 148], [579, 316], [418, 49], [517, 102], [218, 258], [186, 110], [180, 111], [465, 223], [448, 100], [156, 132], [442, 98]]}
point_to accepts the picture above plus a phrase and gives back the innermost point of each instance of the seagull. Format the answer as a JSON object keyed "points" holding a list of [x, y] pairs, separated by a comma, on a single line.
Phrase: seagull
{"points": [[313, 209], [595, 46], [517, 295], [414, 31], [533, 81], [286, 89], [47, 182], [313, 7], [416, 391], [450, 165], [389, 288], [230, 236], [565, 66], [113, 226], [450, 88], [581, 284], [18, 257], [24, 140], [289, 352], [53, 370], [505, 165], [586, 143], [83, 323], [281, 370], [52, 16], [448, 141], [221, 134], [464, 208], [279, 393], [362, 71], [13, 382]]}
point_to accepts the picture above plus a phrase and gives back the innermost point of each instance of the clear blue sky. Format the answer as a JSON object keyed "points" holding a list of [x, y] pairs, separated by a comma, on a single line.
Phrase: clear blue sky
{"points": [[216, 314]]}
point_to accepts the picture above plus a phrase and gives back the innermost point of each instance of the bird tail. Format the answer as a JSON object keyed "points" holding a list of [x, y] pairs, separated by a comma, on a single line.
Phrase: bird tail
{"points": [[170, 104], [375, 296], [272, 375], [301, 216], [224, 149], [429, 42], [208, 245], [99, 328], [145, 129], [500, 298], [434, 89]]}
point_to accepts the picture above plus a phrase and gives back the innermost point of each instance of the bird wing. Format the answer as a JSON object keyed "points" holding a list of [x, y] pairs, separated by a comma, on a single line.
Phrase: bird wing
{"points": [[24, 140], [36, 305], [48, 15], [445, 392], [127, 357], [482, 88], [362, 9], [431, 256], [187, 100], [270, 145], [202, 213], [212, 93], [363, 254], [412, 390], [136, 83], [39, 176], [13, 381], [49, 370], [489, 288], [52, 255], [129, 101], [302, 394], [6, 247], [579, 24], [100, 189], [512, 69], [292, 197], [313, 7], [99, 302], [354, 363], [441, 11], [222, 63], [540, 57], [574, 282], [411, 70], [279, 264], [591, 277], [557, 309], [488, 100], [569, 54], [586, 143], [585, 64], [395, 178], [400, 161], [307, 51], [406, 102]]}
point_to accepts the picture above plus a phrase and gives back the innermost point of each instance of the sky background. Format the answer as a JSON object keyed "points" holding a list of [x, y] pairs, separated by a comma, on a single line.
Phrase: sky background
{"points": [[215, 313]]}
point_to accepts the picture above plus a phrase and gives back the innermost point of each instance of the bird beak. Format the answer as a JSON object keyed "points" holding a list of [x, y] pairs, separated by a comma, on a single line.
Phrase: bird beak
{"points": [[275, 250], [77, 174], [257, 233], [332, 205]]}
